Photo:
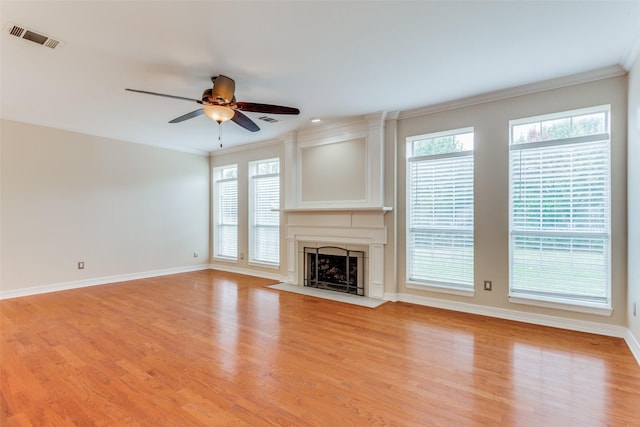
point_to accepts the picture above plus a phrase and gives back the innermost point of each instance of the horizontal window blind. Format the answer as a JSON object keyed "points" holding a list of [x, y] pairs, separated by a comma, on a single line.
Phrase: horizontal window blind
{"points": [[560, 217], [265, 227], [225, 213], [440, 219]]}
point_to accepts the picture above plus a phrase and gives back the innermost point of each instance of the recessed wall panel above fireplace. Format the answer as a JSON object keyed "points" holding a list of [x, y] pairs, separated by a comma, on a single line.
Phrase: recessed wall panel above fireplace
{"points": [[341, 166], [334, 172]]}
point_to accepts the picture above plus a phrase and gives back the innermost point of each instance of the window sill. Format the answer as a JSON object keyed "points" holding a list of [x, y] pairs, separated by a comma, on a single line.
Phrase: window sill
{"points": [[443, 289], [226, 259], [560, 304], [264, 264]]}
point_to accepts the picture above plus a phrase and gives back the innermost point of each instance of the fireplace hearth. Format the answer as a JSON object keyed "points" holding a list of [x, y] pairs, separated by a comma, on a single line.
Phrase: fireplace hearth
{"points": [[335, 269]]}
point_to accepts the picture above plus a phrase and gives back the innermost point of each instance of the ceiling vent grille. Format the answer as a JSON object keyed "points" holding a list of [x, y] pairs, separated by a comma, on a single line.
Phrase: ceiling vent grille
{"points": [[268, 119], [27, 34]]}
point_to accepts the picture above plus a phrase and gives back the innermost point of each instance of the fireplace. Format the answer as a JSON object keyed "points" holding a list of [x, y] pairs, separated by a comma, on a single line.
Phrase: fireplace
{"points": [[333, 268], [356, 230]]}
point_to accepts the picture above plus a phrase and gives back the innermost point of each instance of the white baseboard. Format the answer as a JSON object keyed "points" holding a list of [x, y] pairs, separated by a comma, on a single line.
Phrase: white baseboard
{"points": [[54, 287], [534, 318], [63, 286], [633, 344], [248, 272], [519, 316]]}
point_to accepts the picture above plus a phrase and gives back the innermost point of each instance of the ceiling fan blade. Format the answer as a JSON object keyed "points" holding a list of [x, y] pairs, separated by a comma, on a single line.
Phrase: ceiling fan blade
{"points": [[223, 88], [245, 122], [265, 108], [166, 96], [188, 116]]}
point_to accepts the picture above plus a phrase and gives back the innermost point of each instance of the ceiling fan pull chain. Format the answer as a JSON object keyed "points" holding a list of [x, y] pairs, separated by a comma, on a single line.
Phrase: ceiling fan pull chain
{"points": [[220, 134]]}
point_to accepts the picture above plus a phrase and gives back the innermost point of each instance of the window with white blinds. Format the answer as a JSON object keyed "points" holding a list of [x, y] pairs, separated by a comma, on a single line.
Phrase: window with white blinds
{"points": [[264, 227], [225, 212], [440, 209], [560, 207]]}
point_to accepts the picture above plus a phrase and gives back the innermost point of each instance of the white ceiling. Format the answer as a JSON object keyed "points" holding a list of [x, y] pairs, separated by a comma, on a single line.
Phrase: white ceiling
{"points": [[332, 60]]}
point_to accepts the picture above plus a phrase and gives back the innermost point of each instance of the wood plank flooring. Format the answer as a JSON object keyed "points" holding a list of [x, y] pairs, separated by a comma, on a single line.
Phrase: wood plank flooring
{"points": [[220, 349]]}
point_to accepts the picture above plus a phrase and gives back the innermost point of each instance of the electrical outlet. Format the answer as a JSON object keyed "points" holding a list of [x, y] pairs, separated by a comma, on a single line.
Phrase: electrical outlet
{"points": [[80, 265], [195, 254], [487, 285]]}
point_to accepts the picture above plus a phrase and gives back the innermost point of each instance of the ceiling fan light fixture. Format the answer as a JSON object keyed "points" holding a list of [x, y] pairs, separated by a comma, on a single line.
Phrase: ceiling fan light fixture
{"points": [[219, 113], [220, 105]]}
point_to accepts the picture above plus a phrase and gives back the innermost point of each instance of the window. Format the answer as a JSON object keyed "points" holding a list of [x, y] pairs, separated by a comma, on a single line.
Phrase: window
{"points": [[440, 209], [264, 227], [225, 212], [559, 208]]}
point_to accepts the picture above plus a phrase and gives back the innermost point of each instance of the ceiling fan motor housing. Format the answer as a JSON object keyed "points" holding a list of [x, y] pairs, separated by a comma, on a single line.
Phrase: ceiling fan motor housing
{"points": [[207, 96], [223, 89]]}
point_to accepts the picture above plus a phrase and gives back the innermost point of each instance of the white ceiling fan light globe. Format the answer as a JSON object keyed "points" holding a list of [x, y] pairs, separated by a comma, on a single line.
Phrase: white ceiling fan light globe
{"points": [[219, 113]]}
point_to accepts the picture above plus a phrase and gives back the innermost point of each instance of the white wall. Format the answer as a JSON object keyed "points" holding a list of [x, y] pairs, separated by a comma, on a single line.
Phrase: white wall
{"points": [[490, 121], [121, 208], [633, 201]]}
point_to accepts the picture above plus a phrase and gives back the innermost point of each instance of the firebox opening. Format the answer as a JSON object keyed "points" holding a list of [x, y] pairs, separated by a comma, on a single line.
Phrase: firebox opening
{"points": [[334, 269]]}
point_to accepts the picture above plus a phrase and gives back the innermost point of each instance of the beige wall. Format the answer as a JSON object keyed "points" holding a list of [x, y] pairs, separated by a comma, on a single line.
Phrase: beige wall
{"points": [[242, 159], [121, 208], [490, 122], [633, 200]]}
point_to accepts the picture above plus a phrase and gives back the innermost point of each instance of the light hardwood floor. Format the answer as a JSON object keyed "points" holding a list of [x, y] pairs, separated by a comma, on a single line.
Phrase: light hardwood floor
{"points": [[216, 349]]}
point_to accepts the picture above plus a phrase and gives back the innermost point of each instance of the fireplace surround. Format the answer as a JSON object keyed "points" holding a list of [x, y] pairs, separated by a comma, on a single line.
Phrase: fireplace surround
{"points": [[360, 230]]}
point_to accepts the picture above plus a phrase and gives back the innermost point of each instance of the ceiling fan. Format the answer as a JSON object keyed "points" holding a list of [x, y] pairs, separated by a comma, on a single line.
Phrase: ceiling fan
{"points": [[219, 104]]}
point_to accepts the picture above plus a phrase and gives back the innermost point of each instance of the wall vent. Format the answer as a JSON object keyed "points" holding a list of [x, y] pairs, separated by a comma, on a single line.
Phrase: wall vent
{"points": [[268, 119], [27, 34]]}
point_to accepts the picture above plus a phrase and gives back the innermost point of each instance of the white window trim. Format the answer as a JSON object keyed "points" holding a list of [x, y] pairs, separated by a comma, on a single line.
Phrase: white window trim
{"points": [[250, 259], [440, 288], [547, 301], [215, 207], [561, 304], [264, 264], [430, 285], [558, 115]]}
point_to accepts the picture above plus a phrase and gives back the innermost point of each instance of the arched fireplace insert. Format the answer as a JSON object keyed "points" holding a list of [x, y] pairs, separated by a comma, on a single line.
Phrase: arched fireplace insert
{"points": [[336, 269]]}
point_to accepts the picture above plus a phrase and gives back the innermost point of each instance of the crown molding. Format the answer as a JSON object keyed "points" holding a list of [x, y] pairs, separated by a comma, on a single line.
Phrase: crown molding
{"points": [[315, 132], [588, 76], [392, 115]]}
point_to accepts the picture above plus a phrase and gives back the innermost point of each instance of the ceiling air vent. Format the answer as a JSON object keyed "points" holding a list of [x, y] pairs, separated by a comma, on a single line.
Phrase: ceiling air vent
{"points": [[41, 39], [268, 119]]}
